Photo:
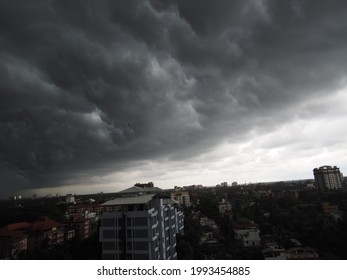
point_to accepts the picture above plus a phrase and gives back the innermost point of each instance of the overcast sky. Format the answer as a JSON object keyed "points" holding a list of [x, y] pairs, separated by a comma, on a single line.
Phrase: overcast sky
{"points": [[98, 95]]}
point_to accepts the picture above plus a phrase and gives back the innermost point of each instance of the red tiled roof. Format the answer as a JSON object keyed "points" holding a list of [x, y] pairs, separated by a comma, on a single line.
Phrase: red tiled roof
{"points": [[44, 223], [17, 226], [12, 233], [17, 230]]}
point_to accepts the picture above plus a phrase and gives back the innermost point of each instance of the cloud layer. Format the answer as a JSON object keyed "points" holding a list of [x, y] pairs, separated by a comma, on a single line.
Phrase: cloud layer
{"points": [[93, 88]]}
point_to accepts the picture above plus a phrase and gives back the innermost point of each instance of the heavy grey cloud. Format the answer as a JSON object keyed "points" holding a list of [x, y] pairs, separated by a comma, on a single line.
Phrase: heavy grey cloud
{"points": [[91, 87]]}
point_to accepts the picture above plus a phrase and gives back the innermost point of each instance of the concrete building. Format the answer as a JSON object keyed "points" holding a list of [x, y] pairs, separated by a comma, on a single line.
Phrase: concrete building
{"points": [[247, 233], [225, 208], [42, 233], [301, 253], [140, 227], [182, 198], [85, 209], [47, 231], [13, 240], [69, 199], [81, 226], [274, 251], [328, 178]]}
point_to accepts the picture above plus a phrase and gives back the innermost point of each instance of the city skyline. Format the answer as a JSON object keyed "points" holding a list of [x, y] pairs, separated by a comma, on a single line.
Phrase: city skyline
{"points": [[96, 96]]}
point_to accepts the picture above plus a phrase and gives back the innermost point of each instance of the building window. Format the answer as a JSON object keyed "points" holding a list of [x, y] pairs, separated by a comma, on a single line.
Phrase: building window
{"points": [[131, 208], [154, 220], [108, 222], [141, 233], [140, 221], [140, 245], [109, 246], [109, 234]]}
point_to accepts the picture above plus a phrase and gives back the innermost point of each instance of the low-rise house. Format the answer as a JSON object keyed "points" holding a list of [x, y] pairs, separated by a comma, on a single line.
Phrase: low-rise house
{"points": [[204, 221], [247, 233], [13, 240], [273, 251], [301, 253], [21, 237], [45, 232]]}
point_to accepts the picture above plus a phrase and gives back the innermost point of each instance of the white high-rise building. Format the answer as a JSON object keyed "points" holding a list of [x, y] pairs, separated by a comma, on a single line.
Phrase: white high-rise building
{"points": [[142, 227], [328, 178]]}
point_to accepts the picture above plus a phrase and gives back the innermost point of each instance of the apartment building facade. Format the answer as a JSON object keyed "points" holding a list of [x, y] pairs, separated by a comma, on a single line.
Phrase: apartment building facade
{"points": [[181, 197], [140, 227], [328, 178]]}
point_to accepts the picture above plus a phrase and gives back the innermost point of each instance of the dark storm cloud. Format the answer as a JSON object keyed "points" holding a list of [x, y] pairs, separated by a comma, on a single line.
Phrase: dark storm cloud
{"points": [[87, 87]]}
